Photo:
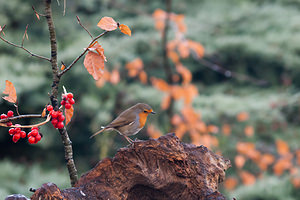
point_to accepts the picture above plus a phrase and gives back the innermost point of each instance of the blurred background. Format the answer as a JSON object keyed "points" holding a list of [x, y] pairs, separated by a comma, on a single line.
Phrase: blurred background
{"points": [[223, 74]]}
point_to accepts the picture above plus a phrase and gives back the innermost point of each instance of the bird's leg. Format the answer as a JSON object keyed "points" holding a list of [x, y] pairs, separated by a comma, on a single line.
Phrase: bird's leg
{"points": [[128, 139]]}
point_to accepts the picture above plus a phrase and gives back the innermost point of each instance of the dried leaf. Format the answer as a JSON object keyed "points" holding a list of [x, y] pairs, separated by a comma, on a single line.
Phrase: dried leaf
{"points": [[212, 129], [69, 114], [185, 73], [100, 50], [230, 183], [44, 112], [282, 147], [173, 56], [115, 77], [125, 29], [160, 84], [108, 24], [242, 116], [226, 129], [183, 49], [247, 178], [165, 103], [143, 77], [37, 15], [239, 161], [62, 67], [153, 132], [94, 63], [10, 91], [197, 48], [249, 131]]}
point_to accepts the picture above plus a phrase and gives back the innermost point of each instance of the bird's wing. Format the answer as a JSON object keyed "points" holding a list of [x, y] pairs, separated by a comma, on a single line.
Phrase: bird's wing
{"points": [[123, 119]]}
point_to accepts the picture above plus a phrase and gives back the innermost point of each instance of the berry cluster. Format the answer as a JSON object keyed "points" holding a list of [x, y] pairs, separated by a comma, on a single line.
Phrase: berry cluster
{"points": [[67, 100], [57, 117], [17, 133], [9, 114], [34, 136]]}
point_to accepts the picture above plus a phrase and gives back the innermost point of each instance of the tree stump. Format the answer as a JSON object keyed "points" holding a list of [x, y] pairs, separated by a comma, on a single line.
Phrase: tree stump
{"points": [[163, 168]]}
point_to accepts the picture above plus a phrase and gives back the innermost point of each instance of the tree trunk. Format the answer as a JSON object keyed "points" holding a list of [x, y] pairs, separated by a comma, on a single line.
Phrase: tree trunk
{"points": [[163, 168]]}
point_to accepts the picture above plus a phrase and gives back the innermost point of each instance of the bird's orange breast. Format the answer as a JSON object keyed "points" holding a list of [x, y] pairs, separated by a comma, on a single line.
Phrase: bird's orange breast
{"points": [[143, 118]]}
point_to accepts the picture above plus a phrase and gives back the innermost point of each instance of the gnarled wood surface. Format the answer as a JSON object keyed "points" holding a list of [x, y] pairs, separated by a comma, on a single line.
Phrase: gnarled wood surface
{"points": [[162, 168]]}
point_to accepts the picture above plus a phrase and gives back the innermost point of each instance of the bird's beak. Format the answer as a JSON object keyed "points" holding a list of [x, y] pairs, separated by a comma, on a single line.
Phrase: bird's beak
{"points": [[153, 112]]}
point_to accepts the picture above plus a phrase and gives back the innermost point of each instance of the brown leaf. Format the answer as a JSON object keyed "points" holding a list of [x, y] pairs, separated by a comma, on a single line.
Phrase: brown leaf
{"points": [[44, 112], [108, 24], [125, 29], [94, 63], [100, 50], [10, 91], [115, 76], [69, 114]]}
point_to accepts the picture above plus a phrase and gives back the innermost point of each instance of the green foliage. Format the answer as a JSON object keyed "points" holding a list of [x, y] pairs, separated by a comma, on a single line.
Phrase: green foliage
{"points": [[18, 179]]}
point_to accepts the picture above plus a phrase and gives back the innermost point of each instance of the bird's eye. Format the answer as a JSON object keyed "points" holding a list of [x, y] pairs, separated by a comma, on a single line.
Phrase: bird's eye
{"points": [[145, 111]]}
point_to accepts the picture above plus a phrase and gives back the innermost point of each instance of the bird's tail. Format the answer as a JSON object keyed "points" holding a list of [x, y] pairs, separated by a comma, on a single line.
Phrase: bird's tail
{"points": [[103, 129]]}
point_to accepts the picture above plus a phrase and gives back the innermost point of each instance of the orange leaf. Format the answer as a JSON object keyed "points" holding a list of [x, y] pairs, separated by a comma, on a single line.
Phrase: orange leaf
{"points": [[166, 102], [197, 48], [94, 64], [212, 129], [98, 48], [44, 112], [134, 67], [281, 165], [247, 178], [230, 183], [185, 73], [282, 147], [159, 14], [298, 156], [153, 132], [10, 91], [37, 15], [173, 56], [108, 24], [160, 84], [249, 131], [176, 119], [115, 77], [242, 116], [125, 29], [226, 129], [62, 67], [143, 77], [239, 161], [69, 114], [183, 49], [265, 161], [296, 182]]}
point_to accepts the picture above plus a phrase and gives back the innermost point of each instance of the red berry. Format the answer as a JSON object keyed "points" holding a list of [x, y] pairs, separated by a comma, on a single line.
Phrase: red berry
{"points": [[61, 118], [63, 102], [64, 97], [49, 108], [10, 113], [3, 116], [34, 132], [59, 114], [16, 137], [11, 131], [60, 125], [54, 114], [18, 130], [54, 122], [35, 128], [23, 134], [9, 123], [71, 101], [31, 140], [70, 95], [38, 137], [68, 106], [29, 134]]}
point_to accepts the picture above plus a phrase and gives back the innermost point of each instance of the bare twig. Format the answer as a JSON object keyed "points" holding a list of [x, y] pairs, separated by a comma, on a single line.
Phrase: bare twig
{"points": [[79, 22], [25, 33], [20, 117], [21, 47], [28, 126], [17, 108], [37, 13], [86, 49], [54, 93]]}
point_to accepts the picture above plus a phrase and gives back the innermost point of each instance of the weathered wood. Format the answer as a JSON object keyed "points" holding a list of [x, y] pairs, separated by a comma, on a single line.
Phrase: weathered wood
{"points": [[162, 168]]}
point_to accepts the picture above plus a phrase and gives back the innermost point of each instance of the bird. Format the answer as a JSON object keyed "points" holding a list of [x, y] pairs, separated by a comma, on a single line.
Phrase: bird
{"points": [[130, 121]]}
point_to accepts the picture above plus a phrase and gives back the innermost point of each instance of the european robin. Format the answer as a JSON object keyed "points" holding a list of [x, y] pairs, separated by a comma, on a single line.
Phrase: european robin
{"points": [[130, 121]]}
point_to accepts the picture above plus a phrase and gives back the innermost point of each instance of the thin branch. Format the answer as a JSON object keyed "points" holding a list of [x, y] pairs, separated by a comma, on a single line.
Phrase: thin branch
{"points": [[54, 93], [28, 126], [37, 13], [86, 49], [20, 117], [25, 34], [79, 22], [17, 108], [21, 47]]}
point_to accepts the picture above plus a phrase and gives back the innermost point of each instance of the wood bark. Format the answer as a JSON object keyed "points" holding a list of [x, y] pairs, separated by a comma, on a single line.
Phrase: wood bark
{"points": [[163, 168]]}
